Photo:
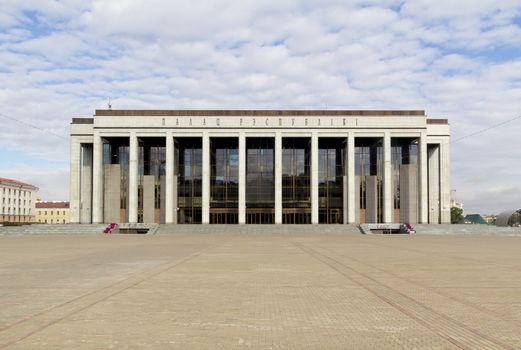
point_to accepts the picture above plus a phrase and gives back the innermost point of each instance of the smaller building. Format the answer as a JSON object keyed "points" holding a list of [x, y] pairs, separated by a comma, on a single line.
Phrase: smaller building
{"points": [[16, 201], [490, 219], [52, 212], [509, 218], [473, 219], [455, 204]]}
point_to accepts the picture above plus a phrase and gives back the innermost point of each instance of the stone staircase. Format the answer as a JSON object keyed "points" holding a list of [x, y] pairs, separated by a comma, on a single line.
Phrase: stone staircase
{"points": [[460, 229], [73, 229], [259, 229], [447, 229], [70, 229], [42, 229]]}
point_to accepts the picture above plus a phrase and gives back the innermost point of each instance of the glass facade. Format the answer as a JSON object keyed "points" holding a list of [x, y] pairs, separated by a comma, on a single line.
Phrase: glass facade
{"points": [[151, 170], [189, 160], [252, 192], [115, 179], [296, 180], [260, 180], [224, 181], [404, 159], [369, 179], [331, 156]]}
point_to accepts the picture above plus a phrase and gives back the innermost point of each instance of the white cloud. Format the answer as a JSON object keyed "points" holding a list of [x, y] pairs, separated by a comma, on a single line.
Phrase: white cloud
{"points": [[47, 179], [454, 59]]}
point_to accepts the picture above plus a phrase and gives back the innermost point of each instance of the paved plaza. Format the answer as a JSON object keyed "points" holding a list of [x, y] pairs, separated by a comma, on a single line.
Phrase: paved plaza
{"points": [[260, 291]]}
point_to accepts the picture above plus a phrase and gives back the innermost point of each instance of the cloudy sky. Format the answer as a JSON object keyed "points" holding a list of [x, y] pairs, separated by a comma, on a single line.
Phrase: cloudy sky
{"points": [[456, 59]]}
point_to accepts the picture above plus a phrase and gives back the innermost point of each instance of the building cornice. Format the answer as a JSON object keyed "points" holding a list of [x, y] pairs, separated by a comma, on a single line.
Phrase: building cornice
{"points": [[257, 112]]}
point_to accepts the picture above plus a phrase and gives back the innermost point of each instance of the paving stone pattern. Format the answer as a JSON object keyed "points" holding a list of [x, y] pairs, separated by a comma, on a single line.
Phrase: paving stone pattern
{"points": [[236, 291]]}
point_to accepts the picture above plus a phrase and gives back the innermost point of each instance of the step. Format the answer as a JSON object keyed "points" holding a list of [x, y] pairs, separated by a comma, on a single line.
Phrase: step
{"points": [[257, 229]]}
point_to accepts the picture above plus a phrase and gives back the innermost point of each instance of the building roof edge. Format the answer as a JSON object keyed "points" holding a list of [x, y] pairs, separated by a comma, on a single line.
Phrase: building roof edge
{"points": [[254, 112], [17, 183]]}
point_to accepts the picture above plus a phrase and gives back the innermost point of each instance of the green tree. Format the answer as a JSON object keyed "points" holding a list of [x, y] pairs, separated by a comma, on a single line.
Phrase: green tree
{"points": [[456, 215]]}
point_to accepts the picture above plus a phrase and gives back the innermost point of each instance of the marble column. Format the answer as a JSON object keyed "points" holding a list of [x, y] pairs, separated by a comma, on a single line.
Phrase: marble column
{"points": [[314, 178], [75, 181], [434, 183], [133, 178], [86, 184], [205, 210], [424, 196], [278, 178], [387, 199], [97, 180], [445, 183], [169, 182], [242, 178], [351, 191]]}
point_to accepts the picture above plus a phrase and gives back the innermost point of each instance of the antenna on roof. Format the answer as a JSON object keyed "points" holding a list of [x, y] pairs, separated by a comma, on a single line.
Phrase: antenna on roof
{"points": [[109, 104]]}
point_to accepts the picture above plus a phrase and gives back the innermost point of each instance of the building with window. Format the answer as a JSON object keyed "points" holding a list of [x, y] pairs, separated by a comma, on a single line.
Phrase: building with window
{"points": [[260, 167], [16, 201], [473, 219], [52, 212]]}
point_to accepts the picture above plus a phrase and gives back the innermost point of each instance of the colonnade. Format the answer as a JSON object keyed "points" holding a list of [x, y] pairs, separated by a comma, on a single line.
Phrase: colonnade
{"points": [[87, 172]]}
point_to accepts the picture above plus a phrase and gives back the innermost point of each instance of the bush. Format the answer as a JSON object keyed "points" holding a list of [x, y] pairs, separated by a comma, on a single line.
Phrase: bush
{"points": [[456, 215], [9, 223]]}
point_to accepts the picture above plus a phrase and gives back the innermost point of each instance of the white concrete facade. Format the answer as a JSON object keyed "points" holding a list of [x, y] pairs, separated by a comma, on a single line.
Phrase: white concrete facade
{"points": [[17, 201], [430, 136]]}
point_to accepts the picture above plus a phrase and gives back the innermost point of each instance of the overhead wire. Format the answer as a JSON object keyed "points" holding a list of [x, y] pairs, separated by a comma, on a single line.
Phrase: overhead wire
{"points": [[486, 129], [33, 126]]}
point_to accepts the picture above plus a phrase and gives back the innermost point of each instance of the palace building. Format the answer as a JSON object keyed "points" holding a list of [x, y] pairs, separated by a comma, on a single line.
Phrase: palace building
{"points": [[260, 167]]}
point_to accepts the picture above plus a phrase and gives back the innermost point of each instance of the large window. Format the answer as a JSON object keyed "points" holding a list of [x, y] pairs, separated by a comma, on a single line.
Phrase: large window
{"points": [[369, 179], [224, 200], [151, 169], [260, 184], [115, 182], [404, 159], [189, 160], [331, 180], [296, 193]]}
